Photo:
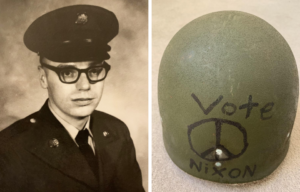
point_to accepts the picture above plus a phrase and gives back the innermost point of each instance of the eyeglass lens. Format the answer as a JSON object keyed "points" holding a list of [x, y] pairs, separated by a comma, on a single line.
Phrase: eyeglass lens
{"points": [[94, 74]]}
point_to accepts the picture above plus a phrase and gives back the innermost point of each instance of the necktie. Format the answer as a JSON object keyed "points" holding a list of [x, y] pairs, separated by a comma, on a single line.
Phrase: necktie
{"points": [[86, 150]]}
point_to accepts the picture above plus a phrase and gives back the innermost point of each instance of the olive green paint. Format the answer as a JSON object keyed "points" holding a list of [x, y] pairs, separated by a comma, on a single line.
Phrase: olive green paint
{"points": [[234, 55]]}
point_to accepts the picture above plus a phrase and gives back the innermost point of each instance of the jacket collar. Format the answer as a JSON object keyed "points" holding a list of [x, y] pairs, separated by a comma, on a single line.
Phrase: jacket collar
{"points": [[108, 144]]}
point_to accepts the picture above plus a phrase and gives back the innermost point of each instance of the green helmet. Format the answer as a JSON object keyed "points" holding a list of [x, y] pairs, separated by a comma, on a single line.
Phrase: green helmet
{"points": [[228, 93]]}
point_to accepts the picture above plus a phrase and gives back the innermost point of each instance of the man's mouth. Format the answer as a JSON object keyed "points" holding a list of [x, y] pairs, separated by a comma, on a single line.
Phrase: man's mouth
{"points": [[83, 101]]}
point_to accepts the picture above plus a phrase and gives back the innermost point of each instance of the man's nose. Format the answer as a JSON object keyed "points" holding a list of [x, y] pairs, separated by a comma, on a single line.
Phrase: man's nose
{"points": [[83, 82]]}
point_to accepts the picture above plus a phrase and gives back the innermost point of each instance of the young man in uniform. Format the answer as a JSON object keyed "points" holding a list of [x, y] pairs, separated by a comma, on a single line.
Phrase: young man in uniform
{"points": [[67, 145]]}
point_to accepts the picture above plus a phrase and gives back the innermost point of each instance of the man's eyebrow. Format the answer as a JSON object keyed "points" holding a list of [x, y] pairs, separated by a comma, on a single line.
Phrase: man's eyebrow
{"points": [[74, 65], [66, 66], [97, 62]]}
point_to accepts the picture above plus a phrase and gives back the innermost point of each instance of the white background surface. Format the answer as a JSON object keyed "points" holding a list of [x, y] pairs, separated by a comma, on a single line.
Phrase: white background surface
{"points": [[168, 17]]}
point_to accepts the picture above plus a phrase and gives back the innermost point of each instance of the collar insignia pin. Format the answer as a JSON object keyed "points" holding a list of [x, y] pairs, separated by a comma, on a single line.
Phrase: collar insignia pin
{"points": [[53, 143], [82, 18], [105, 133]]}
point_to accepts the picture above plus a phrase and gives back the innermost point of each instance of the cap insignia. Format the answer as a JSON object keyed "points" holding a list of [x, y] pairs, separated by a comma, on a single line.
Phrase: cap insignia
{"points": [[82, 18]]}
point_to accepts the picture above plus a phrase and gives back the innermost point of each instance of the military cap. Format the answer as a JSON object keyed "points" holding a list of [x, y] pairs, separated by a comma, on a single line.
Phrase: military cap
{"points": [[73, 33]]}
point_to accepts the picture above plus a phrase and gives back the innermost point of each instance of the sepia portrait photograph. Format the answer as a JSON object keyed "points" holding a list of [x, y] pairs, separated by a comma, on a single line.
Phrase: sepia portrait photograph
{"points": [[74, 95]]}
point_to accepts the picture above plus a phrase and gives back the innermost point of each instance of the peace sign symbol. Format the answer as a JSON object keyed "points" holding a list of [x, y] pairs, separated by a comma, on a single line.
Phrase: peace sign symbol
{"points": [[219, 151]]}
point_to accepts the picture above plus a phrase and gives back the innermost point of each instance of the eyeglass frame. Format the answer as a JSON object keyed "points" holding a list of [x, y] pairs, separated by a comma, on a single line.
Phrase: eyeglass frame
{"points": [[57, 70]]}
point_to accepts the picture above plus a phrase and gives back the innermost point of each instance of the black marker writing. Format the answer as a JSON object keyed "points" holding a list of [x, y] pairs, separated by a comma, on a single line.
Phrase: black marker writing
{"points": [[267, 108], [221, 172], [248, 106], [211, 106]]}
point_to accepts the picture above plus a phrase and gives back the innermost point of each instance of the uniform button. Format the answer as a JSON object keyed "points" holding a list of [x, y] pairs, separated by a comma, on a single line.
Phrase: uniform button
{"points": [[32, 120], [105, 133]]}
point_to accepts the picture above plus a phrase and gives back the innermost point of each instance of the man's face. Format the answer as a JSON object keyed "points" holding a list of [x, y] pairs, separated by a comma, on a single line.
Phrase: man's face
{"points": [[75, 100]]}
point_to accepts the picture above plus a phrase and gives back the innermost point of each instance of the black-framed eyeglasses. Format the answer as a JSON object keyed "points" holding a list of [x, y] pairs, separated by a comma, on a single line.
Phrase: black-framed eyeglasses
{"points": [[71, 74]]}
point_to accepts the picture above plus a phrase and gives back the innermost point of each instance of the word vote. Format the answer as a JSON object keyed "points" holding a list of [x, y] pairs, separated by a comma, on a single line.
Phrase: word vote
{"points": [[247, 106]]}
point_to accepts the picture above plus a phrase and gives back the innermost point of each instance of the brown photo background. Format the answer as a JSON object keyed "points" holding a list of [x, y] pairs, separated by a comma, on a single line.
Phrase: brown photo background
{"points": [[126, 87]]}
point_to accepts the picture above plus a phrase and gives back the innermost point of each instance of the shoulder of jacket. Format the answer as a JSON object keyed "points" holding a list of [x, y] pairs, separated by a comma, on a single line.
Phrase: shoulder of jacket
{"points": [[107, 117], [17, 128], [117, 124]]}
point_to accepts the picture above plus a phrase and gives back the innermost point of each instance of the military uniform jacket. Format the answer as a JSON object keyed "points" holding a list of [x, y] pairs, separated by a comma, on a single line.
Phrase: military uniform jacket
{"points": [[29, 163]]}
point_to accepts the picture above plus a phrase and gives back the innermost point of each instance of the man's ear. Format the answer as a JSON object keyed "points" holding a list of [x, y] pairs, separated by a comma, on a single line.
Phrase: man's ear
{"points": [[43, 77]]}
